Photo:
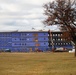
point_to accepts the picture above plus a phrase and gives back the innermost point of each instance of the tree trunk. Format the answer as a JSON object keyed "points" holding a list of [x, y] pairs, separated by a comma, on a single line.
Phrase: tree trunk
{"points": [[74, 44]]}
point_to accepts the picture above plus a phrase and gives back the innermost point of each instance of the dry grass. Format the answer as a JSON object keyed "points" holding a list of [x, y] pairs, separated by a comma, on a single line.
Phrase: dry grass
{"points": [[37, 64]]}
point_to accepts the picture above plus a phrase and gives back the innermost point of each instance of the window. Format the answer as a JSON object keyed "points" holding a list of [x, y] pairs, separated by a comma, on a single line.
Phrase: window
{"points": [[22, 43], [69, 43], [27, 38], [15, 38], [64, 43], [23, 34], [37, 44], [58, 39], [44, 34], [22, 39], [27, 34], [14, 43], [61, 39], [58, 43], [36, 39], [4, 34], [53, 34], [44, 43], [44, 38], [58, 34], [53, 39], [35, 34], [55, 43]]}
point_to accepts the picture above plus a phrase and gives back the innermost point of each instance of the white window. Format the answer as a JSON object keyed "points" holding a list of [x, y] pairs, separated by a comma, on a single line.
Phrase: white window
{"points": [[27, 34], [58, 39], [27, 38]]}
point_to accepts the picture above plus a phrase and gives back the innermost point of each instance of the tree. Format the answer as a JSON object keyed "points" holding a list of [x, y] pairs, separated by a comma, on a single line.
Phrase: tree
{"points": [[62, 13]]}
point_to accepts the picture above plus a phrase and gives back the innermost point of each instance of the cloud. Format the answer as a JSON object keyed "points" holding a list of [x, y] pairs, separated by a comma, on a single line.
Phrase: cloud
{"points": [[21, 14]]}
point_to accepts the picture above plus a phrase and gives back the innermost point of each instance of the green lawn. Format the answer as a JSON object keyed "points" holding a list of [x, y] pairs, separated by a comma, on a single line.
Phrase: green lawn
{"points": [[37, 64]]}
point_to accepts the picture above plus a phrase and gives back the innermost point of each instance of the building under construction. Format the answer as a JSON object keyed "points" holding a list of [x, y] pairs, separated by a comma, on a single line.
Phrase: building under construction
{"points": [[32, 41]]}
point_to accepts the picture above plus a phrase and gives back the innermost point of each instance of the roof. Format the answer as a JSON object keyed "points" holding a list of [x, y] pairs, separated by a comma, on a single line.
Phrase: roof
{"points": [[23, 31]]}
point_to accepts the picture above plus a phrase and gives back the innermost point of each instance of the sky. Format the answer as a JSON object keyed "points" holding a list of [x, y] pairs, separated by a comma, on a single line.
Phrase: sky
{"points": [[22, 15]]}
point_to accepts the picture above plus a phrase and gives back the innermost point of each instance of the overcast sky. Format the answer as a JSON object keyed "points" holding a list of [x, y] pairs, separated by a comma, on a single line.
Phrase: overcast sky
{"points": [[22, 14]]}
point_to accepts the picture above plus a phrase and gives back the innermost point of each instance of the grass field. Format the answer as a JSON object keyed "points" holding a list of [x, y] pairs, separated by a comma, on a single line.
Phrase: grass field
{"points": [[37, 64]]}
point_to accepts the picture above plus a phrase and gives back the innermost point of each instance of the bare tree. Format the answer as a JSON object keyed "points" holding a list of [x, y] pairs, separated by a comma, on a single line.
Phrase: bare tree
{"points": [[62, 13]]}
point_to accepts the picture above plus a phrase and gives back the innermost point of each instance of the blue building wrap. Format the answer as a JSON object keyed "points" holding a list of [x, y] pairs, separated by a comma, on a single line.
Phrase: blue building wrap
{"points": [[24, 41]]}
